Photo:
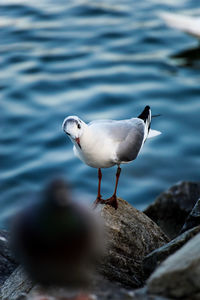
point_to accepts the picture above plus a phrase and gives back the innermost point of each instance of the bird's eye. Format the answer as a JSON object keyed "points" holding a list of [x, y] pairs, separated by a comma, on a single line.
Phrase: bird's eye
{"points": [[79, 126]]}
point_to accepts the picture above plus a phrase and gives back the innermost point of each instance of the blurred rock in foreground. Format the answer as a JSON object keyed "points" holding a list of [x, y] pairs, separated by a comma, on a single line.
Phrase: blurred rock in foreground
{"points": [[178, 276], [171, 208], [130, 236]]}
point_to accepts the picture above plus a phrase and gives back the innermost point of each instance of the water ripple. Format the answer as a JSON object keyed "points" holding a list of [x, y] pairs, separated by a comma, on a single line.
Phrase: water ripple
{"points": [[96, 59]]}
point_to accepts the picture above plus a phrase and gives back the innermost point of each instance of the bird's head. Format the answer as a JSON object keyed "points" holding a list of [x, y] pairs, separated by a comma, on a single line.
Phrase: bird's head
{"points": [[73, 127]]}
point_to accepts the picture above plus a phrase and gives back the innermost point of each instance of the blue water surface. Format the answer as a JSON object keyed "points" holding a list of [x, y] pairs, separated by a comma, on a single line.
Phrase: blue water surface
{"points": [[95, 59]]}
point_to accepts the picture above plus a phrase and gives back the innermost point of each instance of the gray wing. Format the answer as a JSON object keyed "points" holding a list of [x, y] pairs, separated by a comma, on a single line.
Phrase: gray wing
{"points": [[128, 133], [132, 142]]}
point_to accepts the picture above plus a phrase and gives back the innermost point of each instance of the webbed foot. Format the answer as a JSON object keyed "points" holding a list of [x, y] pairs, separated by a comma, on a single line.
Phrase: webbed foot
{"points": [[98, 201], [112, 201]]}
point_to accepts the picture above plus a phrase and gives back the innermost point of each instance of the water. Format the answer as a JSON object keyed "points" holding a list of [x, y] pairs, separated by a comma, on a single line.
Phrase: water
{"points": [[95, 59]]}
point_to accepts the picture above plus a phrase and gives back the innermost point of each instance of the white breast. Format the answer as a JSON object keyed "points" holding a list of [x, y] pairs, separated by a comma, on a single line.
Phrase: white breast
{"points": [[97, 150]]}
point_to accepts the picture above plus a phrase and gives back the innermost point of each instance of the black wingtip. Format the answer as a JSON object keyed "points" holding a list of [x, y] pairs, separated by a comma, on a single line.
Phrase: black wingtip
{"points": [[144, 115]]}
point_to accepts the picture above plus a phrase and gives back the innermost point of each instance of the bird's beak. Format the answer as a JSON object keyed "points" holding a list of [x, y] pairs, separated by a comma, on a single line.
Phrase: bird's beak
{"points": [[78, 142]]}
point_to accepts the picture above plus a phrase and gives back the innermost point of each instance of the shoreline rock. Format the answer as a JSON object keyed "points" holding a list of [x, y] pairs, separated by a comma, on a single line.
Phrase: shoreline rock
{"points": [[131, 238], [171, 208], [129, 235], [155, 258], [178, 276], [17, 284], [7, 261], [193, 219]]}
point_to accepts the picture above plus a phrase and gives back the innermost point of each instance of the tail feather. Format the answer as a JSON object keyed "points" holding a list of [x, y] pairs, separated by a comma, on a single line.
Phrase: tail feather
{"points": [[146, 114], [153, 133], [146, 117], [155, 116]]}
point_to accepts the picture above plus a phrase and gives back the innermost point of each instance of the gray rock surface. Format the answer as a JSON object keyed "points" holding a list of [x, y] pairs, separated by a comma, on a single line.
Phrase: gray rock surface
{"points": [[100, 289], [7, 262], [172, 207], [154, 259], [105, 291], [16, 285], [131, 235], [193, 219], [178, 276], [142, 294]]}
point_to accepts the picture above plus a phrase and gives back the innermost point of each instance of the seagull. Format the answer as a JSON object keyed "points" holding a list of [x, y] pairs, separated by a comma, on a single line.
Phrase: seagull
{"points": [[188, 24], [105, 143]]}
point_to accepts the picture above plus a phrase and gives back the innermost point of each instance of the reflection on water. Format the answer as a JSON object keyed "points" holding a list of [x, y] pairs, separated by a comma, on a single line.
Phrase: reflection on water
{"points": [[95, 59], [189, 57]]}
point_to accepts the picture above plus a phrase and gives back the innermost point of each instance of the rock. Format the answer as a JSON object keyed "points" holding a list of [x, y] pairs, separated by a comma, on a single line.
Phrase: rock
{"points": [[193, 219], [100, 289], [16, 285], [7, 262], [142, 294], [172, 207], [130, 236], [154, 259], [178, 276]]}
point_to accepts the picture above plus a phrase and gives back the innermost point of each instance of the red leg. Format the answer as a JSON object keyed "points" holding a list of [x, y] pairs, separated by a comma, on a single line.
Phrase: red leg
{"points": [[99, 185], [113, 200], [117, 179], [99, 199]]}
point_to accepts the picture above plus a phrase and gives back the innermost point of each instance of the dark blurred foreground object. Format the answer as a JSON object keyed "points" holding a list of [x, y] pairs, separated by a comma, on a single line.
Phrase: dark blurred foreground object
{"points": [[55, 239]]}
